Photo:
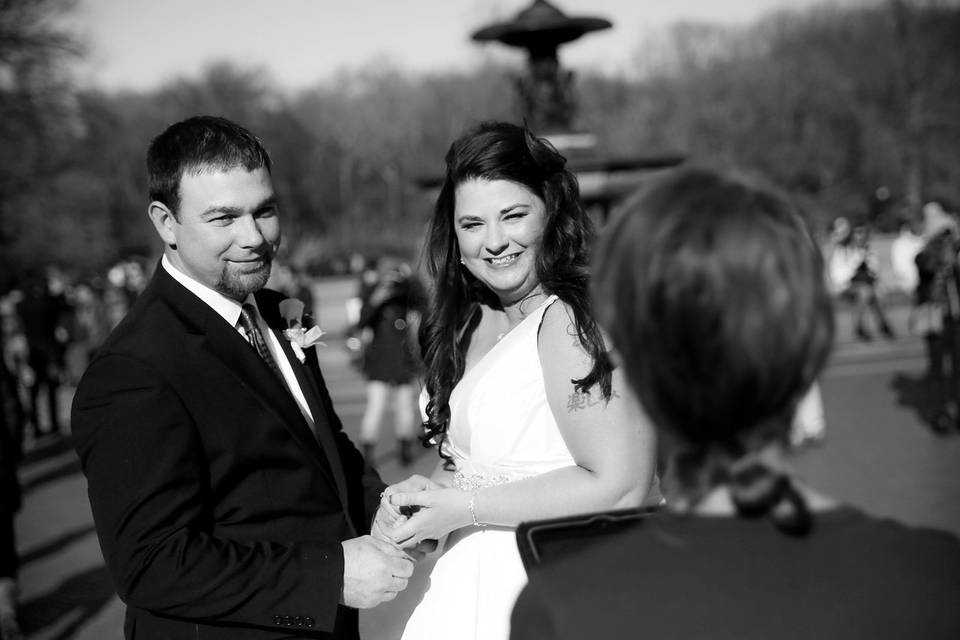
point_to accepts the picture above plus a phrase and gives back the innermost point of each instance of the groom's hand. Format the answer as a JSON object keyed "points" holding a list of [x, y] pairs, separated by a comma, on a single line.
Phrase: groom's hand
{"points": [[422, 549], [381, 531], [373, 572], [390, 516]]}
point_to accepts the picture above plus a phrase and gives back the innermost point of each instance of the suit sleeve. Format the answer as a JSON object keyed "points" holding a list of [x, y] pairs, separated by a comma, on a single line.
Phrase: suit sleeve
{"points": [[149, 490], [371, 485]]}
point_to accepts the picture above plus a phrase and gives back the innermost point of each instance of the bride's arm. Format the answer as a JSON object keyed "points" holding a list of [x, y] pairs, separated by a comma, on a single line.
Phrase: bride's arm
{"points": [[612, 443]]}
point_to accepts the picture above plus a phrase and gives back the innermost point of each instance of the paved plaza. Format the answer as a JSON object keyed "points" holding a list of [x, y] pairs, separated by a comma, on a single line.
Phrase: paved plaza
{"points": [[879, 455]]}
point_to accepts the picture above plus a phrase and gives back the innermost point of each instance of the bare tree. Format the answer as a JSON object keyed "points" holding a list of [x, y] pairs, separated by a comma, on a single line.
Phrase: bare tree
{"points": [[36, 108]]}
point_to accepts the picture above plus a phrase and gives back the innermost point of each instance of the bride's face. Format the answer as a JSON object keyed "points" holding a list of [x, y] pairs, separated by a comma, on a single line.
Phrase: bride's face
{"points": [[499, 226]]}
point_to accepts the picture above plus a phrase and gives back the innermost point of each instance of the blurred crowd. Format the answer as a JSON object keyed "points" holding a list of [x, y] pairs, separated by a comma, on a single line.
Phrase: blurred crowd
{"points": [[52, 324], [924, 264]]}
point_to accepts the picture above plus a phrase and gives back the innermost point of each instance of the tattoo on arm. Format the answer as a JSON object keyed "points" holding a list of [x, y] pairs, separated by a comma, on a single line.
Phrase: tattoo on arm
{"points": [[584, 400]]}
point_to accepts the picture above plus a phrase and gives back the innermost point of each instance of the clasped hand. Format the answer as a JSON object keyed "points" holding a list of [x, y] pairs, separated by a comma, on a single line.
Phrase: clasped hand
{"points": [[374, 571], [437, 510]]}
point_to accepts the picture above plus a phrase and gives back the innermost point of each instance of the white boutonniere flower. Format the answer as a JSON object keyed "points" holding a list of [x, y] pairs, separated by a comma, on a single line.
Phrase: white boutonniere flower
{"points": [[297, 332]]}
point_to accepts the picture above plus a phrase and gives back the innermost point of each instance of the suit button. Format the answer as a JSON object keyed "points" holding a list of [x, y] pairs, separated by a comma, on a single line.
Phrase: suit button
{"points": [[298, 621], [308, 621], [277, 619], [287, 620]]}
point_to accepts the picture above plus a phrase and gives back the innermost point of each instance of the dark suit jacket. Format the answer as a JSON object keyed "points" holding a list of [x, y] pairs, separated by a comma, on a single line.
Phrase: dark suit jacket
{"points": [[219, 513], [694, 577]]}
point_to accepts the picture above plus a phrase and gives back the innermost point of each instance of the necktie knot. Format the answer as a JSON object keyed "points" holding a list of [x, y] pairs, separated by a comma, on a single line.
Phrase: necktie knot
{"points": [[248, 320]]}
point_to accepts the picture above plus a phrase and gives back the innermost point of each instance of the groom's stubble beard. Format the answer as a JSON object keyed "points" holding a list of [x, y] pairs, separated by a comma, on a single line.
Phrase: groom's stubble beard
{"points": [[238, 284]]}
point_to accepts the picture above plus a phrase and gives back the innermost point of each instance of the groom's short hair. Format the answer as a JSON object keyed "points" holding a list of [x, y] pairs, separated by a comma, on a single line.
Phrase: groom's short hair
{"points": [[198, 144]]}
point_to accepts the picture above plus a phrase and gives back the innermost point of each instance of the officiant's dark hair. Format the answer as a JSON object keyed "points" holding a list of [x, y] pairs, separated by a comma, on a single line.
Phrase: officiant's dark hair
{"points": [[713, 293], [197, 144], [504, 151]]}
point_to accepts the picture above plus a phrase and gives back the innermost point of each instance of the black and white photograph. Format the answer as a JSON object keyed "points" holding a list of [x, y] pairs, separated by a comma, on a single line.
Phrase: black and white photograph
{"points": [[479, 319]]}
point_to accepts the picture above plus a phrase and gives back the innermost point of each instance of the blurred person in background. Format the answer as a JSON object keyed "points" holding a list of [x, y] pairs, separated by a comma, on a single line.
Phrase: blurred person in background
{"points": [[115, 305], [292, 282], [528, 415], [44, 314], [303, 289], [16, 368], [809, 425], [91, 321], [367, 277], [357, 339], [391, 314], [714, 297], [936, 313], [134, 278], [125, 281], [281, 279], [903, 255], [842, 261], [852, 268], [863, 287], [11, 425]]}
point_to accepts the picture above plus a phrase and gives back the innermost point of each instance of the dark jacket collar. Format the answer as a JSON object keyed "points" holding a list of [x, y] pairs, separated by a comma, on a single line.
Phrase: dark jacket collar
{"points": [[225, 343]]}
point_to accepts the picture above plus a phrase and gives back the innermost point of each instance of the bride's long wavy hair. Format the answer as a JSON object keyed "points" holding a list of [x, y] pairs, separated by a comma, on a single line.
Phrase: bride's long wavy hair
{"points": [[503, 151]]}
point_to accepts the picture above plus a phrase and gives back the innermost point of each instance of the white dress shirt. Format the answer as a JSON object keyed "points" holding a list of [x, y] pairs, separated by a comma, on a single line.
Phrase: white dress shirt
{"points": [[229, 309]]}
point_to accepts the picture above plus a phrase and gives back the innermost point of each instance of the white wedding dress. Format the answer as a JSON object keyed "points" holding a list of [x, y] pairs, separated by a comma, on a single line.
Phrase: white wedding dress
{"points": [[501, 430]]}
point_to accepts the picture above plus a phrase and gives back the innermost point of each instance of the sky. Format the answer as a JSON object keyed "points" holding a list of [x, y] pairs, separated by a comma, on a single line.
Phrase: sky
{"points": [[141, 44]]}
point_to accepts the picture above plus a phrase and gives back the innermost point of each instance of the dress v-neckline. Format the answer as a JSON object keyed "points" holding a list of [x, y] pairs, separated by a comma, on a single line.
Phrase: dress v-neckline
{"points": [[506, 337]]}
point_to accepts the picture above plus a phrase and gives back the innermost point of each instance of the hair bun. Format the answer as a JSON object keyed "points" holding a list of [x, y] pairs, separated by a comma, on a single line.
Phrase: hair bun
{"points": [[758, 491]]}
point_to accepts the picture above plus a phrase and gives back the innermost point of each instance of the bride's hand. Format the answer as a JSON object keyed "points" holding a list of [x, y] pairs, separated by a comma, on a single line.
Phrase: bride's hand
{"points": [[392, 515], [441, 511]]}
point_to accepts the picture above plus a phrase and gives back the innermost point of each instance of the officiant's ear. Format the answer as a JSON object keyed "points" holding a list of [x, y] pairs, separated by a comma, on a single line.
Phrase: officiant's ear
{"points": [[163, 221]]}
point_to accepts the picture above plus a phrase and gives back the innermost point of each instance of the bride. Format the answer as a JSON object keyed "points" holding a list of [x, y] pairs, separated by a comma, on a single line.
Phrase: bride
{"points": [[525, 407]]}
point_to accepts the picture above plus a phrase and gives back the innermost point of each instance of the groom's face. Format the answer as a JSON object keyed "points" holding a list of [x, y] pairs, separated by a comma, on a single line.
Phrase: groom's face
{"points": [[227, 229]]}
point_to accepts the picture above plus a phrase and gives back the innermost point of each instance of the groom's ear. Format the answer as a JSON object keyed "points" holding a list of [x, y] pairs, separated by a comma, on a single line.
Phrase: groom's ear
{"points": [[163, 221]]}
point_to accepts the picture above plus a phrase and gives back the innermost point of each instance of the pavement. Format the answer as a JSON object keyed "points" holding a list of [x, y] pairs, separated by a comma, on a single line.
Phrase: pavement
{"points": [[879, 454]]}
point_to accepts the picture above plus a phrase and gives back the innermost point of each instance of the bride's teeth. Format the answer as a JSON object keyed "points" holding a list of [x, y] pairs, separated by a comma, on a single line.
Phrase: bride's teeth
{"points": [[500, 261]]}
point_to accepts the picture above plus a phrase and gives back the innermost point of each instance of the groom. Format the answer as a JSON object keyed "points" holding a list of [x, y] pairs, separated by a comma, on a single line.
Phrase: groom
{"points": [[228, 501]]}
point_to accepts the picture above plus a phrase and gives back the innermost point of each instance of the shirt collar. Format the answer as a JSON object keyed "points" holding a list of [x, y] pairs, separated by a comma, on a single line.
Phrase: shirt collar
{"points": [[226, 307]]}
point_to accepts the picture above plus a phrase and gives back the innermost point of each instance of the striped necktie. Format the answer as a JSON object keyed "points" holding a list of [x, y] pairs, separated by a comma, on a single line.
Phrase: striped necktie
{"points": [[248, 320]]}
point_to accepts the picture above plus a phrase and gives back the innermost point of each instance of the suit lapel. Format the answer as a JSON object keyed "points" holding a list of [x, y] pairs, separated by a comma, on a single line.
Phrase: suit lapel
{"points": [[314, 397], [226, 344], [259, 381]]}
